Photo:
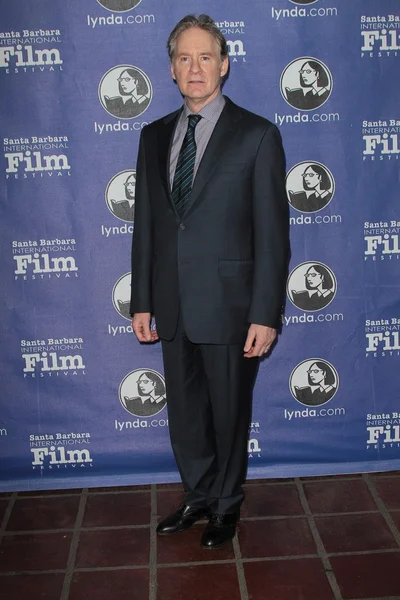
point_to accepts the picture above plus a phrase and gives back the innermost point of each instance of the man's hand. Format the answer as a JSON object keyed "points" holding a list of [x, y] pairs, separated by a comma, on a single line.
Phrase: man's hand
{"points": [[141, 327], [259, 340]]}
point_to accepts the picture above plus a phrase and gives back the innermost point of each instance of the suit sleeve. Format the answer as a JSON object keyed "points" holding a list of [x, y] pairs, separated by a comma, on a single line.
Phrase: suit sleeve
{"points": [[270, 231], [142, 243]]}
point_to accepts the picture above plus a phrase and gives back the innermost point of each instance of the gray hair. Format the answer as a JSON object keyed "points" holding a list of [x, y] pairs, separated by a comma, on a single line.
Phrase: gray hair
{"points": [[202, 22]]}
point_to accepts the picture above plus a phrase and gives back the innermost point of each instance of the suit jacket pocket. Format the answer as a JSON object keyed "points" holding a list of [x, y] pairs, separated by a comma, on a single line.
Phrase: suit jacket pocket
{"points": [[234, 268], [227, 168]]}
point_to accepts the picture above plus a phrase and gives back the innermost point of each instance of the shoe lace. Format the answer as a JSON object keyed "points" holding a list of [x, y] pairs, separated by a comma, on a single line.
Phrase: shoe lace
{"points": [[181, 509], [217, 519]]}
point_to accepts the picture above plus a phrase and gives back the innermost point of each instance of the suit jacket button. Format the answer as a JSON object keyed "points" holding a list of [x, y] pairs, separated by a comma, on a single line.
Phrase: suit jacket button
{"points": [[182, 226]]}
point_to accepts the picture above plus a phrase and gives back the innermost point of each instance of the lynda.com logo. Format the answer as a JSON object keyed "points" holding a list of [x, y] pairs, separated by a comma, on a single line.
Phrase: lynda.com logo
{"points": [[125, 91], [142, 392], [123, 5], [306, 83], [304, 1], [314, 382]]}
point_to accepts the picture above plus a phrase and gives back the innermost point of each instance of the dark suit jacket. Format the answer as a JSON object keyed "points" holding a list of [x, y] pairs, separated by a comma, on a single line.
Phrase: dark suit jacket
{"points": [[223, 265]]}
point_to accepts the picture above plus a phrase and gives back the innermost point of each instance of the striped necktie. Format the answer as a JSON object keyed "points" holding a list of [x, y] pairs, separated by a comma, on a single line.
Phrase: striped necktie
{"points": [[183, 178]]}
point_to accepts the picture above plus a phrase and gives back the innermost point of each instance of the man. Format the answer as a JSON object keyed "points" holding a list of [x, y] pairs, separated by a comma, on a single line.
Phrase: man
{"points": [[209, 259]]}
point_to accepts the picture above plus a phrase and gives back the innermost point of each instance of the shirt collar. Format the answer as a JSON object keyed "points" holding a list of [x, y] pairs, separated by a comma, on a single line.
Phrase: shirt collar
{"points": [[211, 111]]}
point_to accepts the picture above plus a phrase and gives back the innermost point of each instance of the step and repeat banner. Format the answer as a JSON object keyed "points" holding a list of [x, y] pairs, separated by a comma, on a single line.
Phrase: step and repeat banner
{"points": [[82, 402]]}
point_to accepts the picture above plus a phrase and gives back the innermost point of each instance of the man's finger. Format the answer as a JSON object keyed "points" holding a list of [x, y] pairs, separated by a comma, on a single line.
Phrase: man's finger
{"points": [[249, 341], [141, 327]]}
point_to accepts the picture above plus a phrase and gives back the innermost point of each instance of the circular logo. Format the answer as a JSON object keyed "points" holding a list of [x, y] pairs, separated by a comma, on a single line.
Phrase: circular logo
{"points": [[306, 83], [125, 92], [309, 186], [119, 5], [304, 1], [121, 296], [311, 286], [120, 195], [142, 392], [314, 382]]}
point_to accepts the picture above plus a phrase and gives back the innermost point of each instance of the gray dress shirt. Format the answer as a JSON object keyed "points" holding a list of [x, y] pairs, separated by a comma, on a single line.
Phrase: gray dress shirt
{"points": [[210, 114]]}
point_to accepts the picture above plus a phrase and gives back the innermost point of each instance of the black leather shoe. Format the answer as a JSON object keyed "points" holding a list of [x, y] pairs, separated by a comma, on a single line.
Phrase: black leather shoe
{"points": [[182, 519], [220, 530]]}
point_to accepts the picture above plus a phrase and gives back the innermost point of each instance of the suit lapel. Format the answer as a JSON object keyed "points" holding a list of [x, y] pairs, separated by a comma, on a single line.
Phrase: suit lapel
{"points": [[221, 138], [165, 137]]}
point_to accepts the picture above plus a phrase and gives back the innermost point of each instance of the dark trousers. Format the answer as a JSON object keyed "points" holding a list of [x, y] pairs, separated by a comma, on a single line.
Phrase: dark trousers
{"points": [[209, 393]]}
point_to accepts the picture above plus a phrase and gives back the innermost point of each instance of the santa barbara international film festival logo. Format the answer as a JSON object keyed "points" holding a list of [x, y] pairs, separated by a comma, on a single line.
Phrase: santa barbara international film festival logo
{"points": [[125, 91], [55, 451], [27, 51], [142, 393], [381, 140], [36, 157], [306, 83], [236, 47], [43, 259], [382, 337], [52, 357], [310, 187], [383, 430], [382, 240], [380, 37]]}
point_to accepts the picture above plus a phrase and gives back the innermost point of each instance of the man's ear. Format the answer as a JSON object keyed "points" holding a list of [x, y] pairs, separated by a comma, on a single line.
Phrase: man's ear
{"points": [[171, 66], [224, 66]]}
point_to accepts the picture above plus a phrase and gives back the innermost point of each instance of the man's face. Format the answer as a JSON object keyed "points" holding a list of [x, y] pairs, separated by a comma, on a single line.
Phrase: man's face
{"points": [[197, 66]]}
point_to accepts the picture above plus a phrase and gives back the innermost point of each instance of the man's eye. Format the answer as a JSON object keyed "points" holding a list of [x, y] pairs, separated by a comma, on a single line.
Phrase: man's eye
{"points": [[205, 58]]}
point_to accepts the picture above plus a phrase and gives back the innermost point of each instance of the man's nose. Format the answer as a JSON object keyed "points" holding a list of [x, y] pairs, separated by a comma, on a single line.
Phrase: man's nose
{"points": [[195, 65]]}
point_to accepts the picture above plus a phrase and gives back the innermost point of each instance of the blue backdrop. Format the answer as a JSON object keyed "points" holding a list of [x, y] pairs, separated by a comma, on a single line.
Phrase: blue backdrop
{"points": [[326, 72]]}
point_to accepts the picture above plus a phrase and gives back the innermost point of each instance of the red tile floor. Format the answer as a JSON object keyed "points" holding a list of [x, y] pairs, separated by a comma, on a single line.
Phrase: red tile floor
{"points": [[321, 538]]}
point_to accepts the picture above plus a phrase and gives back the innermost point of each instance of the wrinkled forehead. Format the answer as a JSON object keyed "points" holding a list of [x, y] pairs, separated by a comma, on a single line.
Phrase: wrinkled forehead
{"points": [[196, 40]]}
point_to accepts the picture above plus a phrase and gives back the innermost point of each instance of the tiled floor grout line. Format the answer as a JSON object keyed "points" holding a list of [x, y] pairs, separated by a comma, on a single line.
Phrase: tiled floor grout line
{"points": [[72, 495], [153, 546], [239, 567], [74, 546], [382, 507], [318, 541], [202, 562], [304, 516], [379, 598], [7, 515], [146, 526], [71, 529], [92, 492]]}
